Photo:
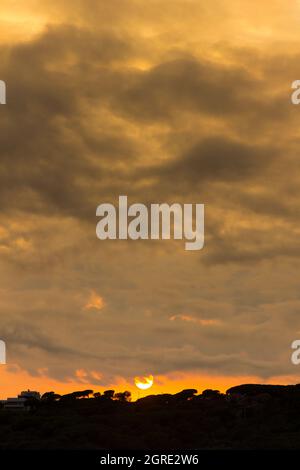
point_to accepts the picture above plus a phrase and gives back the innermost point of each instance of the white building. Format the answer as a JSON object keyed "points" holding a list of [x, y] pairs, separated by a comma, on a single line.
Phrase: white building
{"points": [[30, 394], [21, 401], [14, 404]]}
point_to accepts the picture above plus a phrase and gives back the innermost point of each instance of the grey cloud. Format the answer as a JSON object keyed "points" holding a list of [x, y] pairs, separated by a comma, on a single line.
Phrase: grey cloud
{"points": [[83, 124], [214, 159]]}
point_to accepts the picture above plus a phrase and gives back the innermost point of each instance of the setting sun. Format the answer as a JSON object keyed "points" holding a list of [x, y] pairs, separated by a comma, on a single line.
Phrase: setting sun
{"points": [[144, 383]]}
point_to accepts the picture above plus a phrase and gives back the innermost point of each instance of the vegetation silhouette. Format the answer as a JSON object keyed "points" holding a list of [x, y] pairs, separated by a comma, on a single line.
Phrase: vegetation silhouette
{"points": [[248, 416]]}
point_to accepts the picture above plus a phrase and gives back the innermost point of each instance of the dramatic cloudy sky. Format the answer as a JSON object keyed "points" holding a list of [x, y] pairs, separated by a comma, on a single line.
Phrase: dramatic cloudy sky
{"points": [[165, 101]]}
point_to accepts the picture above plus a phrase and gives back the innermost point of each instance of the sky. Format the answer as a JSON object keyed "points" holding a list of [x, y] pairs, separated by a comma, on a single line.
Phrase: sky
{"points": [[176, 101]]}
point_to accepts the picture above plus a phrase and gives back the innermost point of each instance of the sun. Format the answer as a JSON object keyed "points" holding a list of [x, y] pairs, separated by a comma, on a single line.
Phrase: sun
{"points": [[144, 383]]}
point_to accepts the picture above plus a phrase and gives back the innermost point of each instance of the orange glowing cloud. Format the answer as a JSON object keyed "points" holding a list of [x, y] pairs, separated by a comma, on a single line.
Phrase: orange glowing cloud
{"points": [[199, 321], [95, 302]]}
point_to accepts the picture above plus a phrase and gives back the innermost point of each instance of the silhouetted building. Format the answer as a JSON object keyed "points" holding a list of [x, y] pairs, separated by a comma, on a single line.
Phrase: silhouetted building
{"points": [[22, 401]]}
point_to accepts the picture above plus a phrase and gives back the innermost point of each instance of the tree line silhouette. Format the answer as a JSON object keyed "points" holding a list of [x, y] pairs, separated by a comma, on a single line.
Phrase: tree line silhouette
{"points": [[247, 416]]}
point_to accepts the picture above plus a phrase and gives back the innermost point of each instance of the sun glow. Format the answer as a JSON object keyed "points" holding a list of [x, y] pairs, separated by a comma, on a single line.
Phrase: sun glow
{"points": [[144, 383]]}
